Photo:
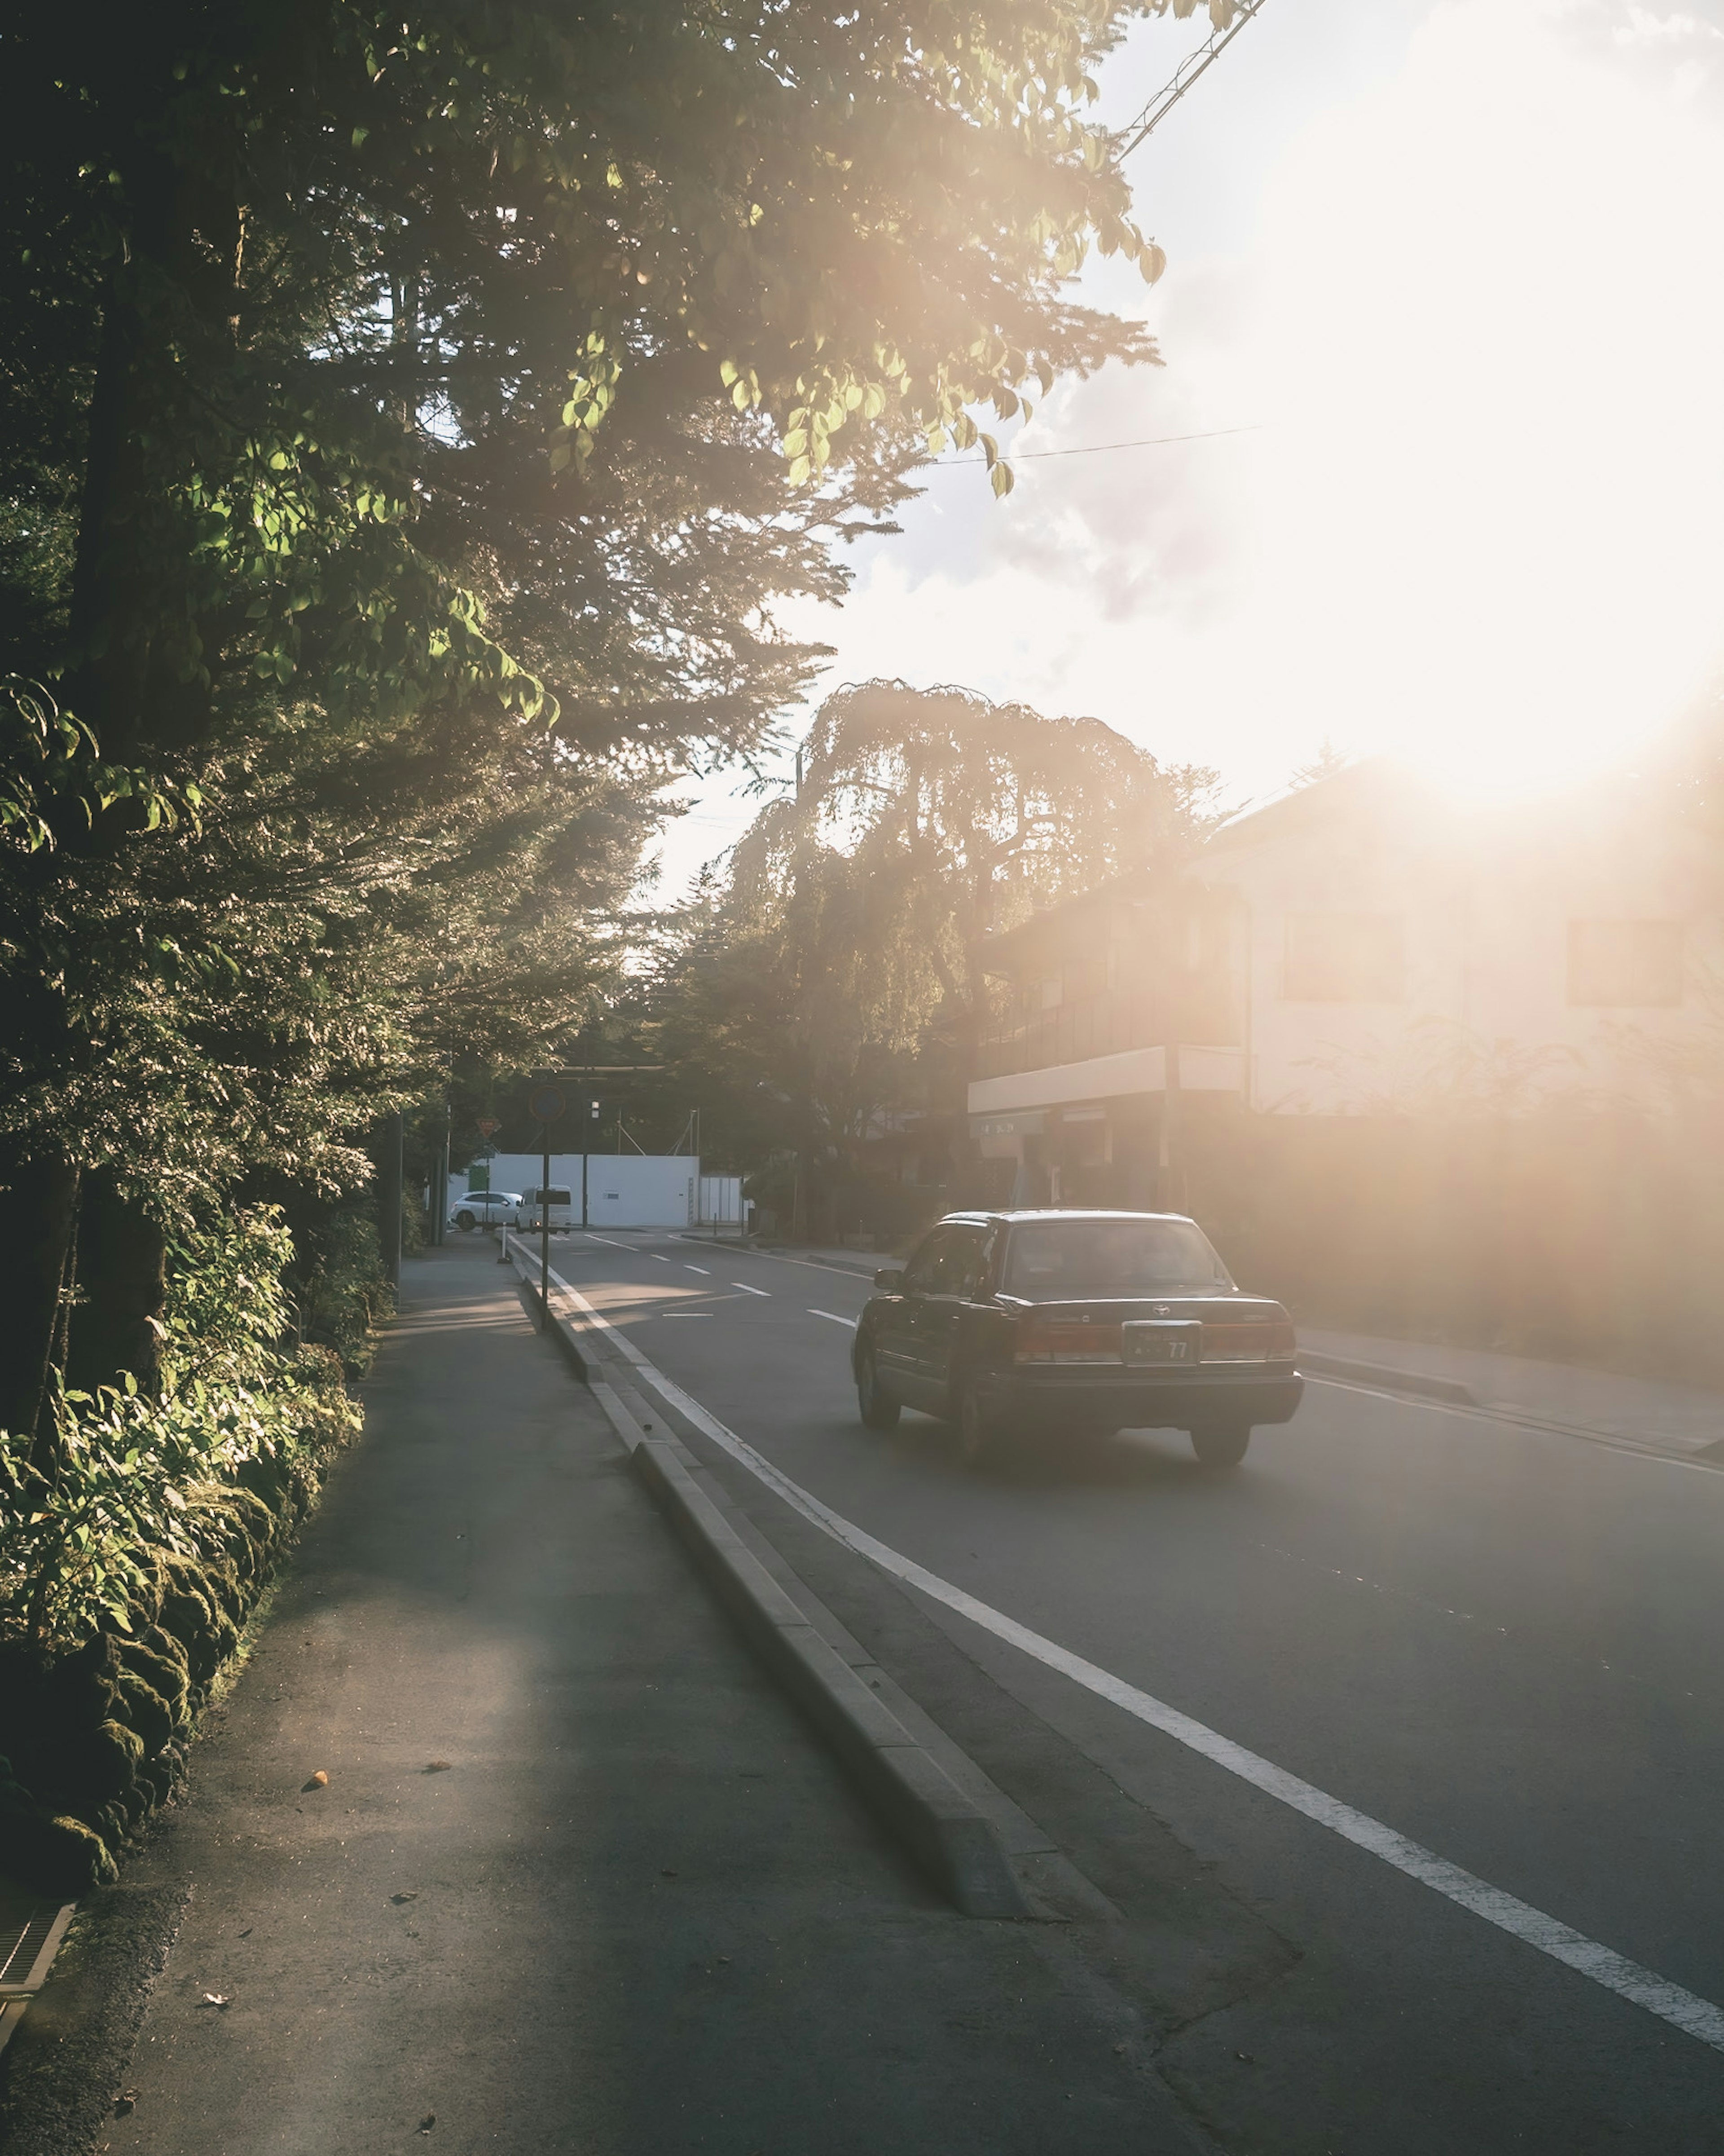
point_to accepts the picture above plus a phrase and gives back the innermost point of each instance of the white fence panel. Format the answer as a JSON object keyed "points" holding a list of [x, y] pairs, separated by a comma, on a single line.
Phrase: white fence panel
{"points": [[623, 1190]]}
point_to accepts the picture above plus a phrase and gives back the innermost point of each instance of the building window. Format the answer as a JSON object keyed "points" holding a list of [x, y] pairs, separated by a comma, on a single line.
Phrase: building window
{"points": [[1344, 958], [1624, 961]]}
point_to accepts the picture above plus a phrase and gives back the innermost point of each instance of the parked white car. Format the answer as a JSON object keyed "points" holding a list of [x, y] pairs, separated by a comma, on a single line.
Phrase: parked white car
{"points": [[486, 1208]]}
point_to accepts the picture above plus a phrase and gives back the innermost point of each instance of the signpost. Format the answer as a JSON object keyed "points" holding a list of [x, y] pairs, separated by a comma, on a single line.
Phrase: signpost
{"points": [[547, 1104]]}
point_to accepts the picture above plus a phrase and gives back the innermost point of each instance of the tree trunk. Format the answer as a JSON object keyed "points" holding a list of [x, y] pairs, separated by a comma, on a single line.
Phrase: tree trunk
{"points": [[389, 1138], [122, 1283], [41, 1206]]}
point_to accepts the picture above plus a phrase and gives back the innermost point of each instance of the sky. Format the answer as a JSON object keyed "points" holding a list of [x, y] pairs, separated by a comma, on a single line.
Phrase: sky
{"points": [[1456, 272]]}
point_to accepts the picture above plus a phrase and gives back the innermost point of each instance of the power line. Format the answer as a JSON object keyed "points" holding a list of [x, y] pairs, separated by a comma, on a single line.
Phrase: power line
{"points": [[1189, 69], [1096, 448]]}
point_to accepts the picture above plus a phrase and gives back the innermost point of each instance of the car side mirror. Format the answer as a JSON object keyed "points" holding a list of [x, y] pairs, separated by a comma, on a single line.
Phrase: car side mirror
{"points": [[890, 1278]]}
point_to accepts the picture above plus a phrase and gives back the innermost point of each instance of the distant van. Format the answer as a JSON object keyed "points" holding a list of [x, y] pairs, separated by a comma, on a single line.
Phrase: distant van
{"points": [[537, 1204]]}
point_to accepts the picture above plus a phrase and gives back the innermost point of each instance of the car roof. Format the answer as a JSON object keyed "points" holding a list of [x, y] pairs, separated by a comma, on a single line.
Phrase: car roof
{"points": [[1019, 1215]]}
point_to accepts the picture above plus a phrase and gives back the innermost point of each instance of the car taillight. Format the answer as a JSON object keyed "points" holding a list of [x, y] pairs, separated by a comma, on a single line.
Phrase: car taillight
{"points": [[1061, 1340], [1248, 1343]]}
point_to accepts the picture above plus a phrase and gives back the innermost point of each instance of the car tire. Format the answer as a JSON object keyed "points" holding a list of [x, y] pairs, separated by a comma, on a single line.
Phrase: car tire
{"points": [[876, 1410], [977, 1430], [1221, 1445], [466, 1221]]}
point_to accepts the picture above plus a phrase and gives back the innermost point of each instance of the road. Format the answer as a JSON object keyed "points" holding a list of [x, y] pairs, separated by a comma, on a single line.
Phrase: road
{"points": [[1498, 1642]]}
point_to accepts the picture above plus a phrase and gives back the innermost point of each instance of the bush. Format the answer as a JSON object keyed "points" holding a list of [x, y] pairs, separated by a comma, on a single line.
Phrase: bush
{"points": [[340, 1289], [135, 1541]]}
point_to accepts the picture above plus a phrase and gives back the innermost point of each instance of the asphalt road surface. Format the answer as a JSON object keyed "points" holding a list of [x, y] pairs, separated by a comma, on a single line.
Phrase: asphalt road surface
{"points": [[1500, 1642]]}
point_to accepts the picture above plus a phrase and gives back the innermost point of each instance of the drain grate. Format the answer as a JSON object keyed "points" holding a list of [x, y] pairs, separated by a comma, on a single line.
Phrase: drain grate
{"points": [[31, 1930]]}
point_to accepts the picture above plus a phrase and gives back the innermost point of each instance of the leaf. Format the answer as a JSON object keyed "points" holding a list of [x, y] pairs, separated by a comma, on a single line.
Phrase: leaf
{"points": [[1152, 262], [1002, 479], [991, 450]]}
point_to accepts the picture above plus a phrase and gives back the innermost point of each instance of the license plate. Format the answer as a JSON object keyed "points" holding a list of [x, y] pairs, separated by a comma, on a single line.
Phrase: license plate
{"points": [[1161, 1342]]}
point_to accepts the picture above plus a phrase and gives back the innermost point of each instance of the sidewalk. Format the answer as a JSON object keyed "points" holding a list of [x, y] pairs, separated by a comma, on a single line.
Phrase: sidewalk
{"points": [[1682, 1421], [580, 1879]]}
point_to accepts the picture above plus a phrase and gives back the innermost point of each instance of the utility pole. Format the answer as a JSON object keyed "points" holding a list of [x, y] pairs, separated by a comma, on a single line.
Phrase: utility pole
{"points": [[1170, 1175], [545, 1230], [440, 1187], [588, 1131]]}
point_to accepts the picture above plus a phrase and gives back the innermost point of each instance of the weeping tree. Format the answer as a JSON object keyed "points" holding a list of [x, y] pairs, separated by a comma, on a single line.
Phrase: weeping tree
{"points": [[839, 969], [409, 420]]}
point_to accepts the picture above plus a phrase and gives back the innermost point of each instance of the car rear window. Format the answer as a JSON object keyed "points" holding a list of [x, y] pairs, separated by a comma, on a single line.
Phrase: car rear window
{"points": [[1054, 1259]]}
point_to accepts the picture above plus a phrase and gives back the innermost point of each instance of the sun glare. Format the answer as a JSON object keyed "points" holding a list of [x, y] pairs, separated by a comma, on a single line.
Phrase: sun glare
{"points": [[1489, 534]]}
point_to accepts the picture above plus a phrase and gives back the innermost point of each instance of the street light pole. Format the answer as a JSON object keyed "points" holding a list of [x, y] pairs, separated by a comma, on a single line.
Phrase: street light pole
{"points": [[545, 1231], [586, 1142], [546, 1104]]}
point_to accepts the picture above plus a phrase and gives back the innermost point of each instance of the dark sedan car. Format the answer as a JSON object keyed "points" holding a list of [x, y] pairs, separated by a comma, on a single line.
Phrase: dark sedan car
{"points": [[1074, 1322]]}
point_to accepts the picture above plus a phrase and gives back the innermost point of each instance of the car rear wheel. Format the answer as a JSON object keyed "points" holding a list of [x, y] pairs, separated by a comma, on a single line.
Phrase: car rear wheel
{"points": [[466, 1221], [1221, 1445], [876, 1410]]}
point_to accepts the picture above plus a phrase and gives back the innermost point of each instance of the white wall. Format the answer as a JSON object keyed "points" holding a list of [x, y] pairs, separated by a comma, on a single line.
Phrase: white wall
{"points": [[1485, 898], [623, 1190]]}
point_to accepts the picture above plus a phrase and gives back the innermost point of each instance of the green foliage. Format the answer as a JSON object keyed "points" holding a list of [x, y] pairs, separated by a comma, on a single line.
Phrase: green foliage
{"points": [[341, 710], [340, 1288], [131, 1478], [839, 971]]}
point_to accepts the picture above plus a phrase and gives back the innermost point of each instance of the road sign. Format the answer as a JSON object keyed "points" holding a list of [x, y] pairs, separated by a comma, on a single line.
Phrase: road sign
{"points": [[545, 1102], [488, 1127]]}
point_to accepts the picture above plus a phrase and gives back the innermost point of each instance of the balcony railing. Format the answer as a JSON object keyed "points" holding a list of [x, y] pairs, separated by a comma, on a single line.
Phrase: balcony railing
{"points": [[1108, 1024]]}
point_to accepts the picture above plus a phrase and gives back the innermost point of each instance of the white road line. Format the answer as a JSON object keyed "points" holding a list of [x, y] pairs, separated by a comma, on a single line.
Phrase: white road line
{"points": [[1601, 1441], [747, 1290], [657, 1260], [682, 1313], [1682, 2009], [849, 1322], [699, 1269], [815, 1264], [611, 1240]]}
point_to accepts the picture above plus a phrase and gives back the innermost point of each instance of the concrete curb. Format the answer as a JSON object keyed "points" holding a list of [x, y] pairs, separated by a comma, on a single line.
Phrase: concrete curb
{"points": [[949, 1837], [954, 1843], [1389, 1379]]}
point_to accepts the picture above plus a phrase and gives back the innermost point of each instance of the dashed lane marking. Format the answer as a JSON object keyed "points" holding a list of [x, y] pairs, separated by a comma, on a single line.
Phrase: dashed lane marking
{"points": [[747, 1290], [849, 1323]]}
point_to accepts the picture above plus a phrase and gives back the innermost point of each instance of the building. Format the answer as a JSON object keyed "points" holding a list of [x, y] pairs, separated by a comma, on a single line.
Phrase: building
{"points": [[1360, 947]]}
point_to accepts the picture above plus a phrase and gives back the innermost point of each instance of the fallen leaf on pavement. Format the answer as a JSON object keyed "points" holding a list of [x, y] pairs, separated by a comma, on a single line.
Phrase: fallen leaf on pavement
{"points": [[320, 1780], [428, 2121], [436, 1767], [413, 1897], [214, 1999]]}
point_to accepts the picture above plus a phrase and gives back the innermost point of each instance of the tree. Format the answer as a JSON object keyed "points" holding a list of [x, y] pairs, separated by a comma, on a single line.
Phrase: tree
{"points": [[842, 969], [412, 419]]}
